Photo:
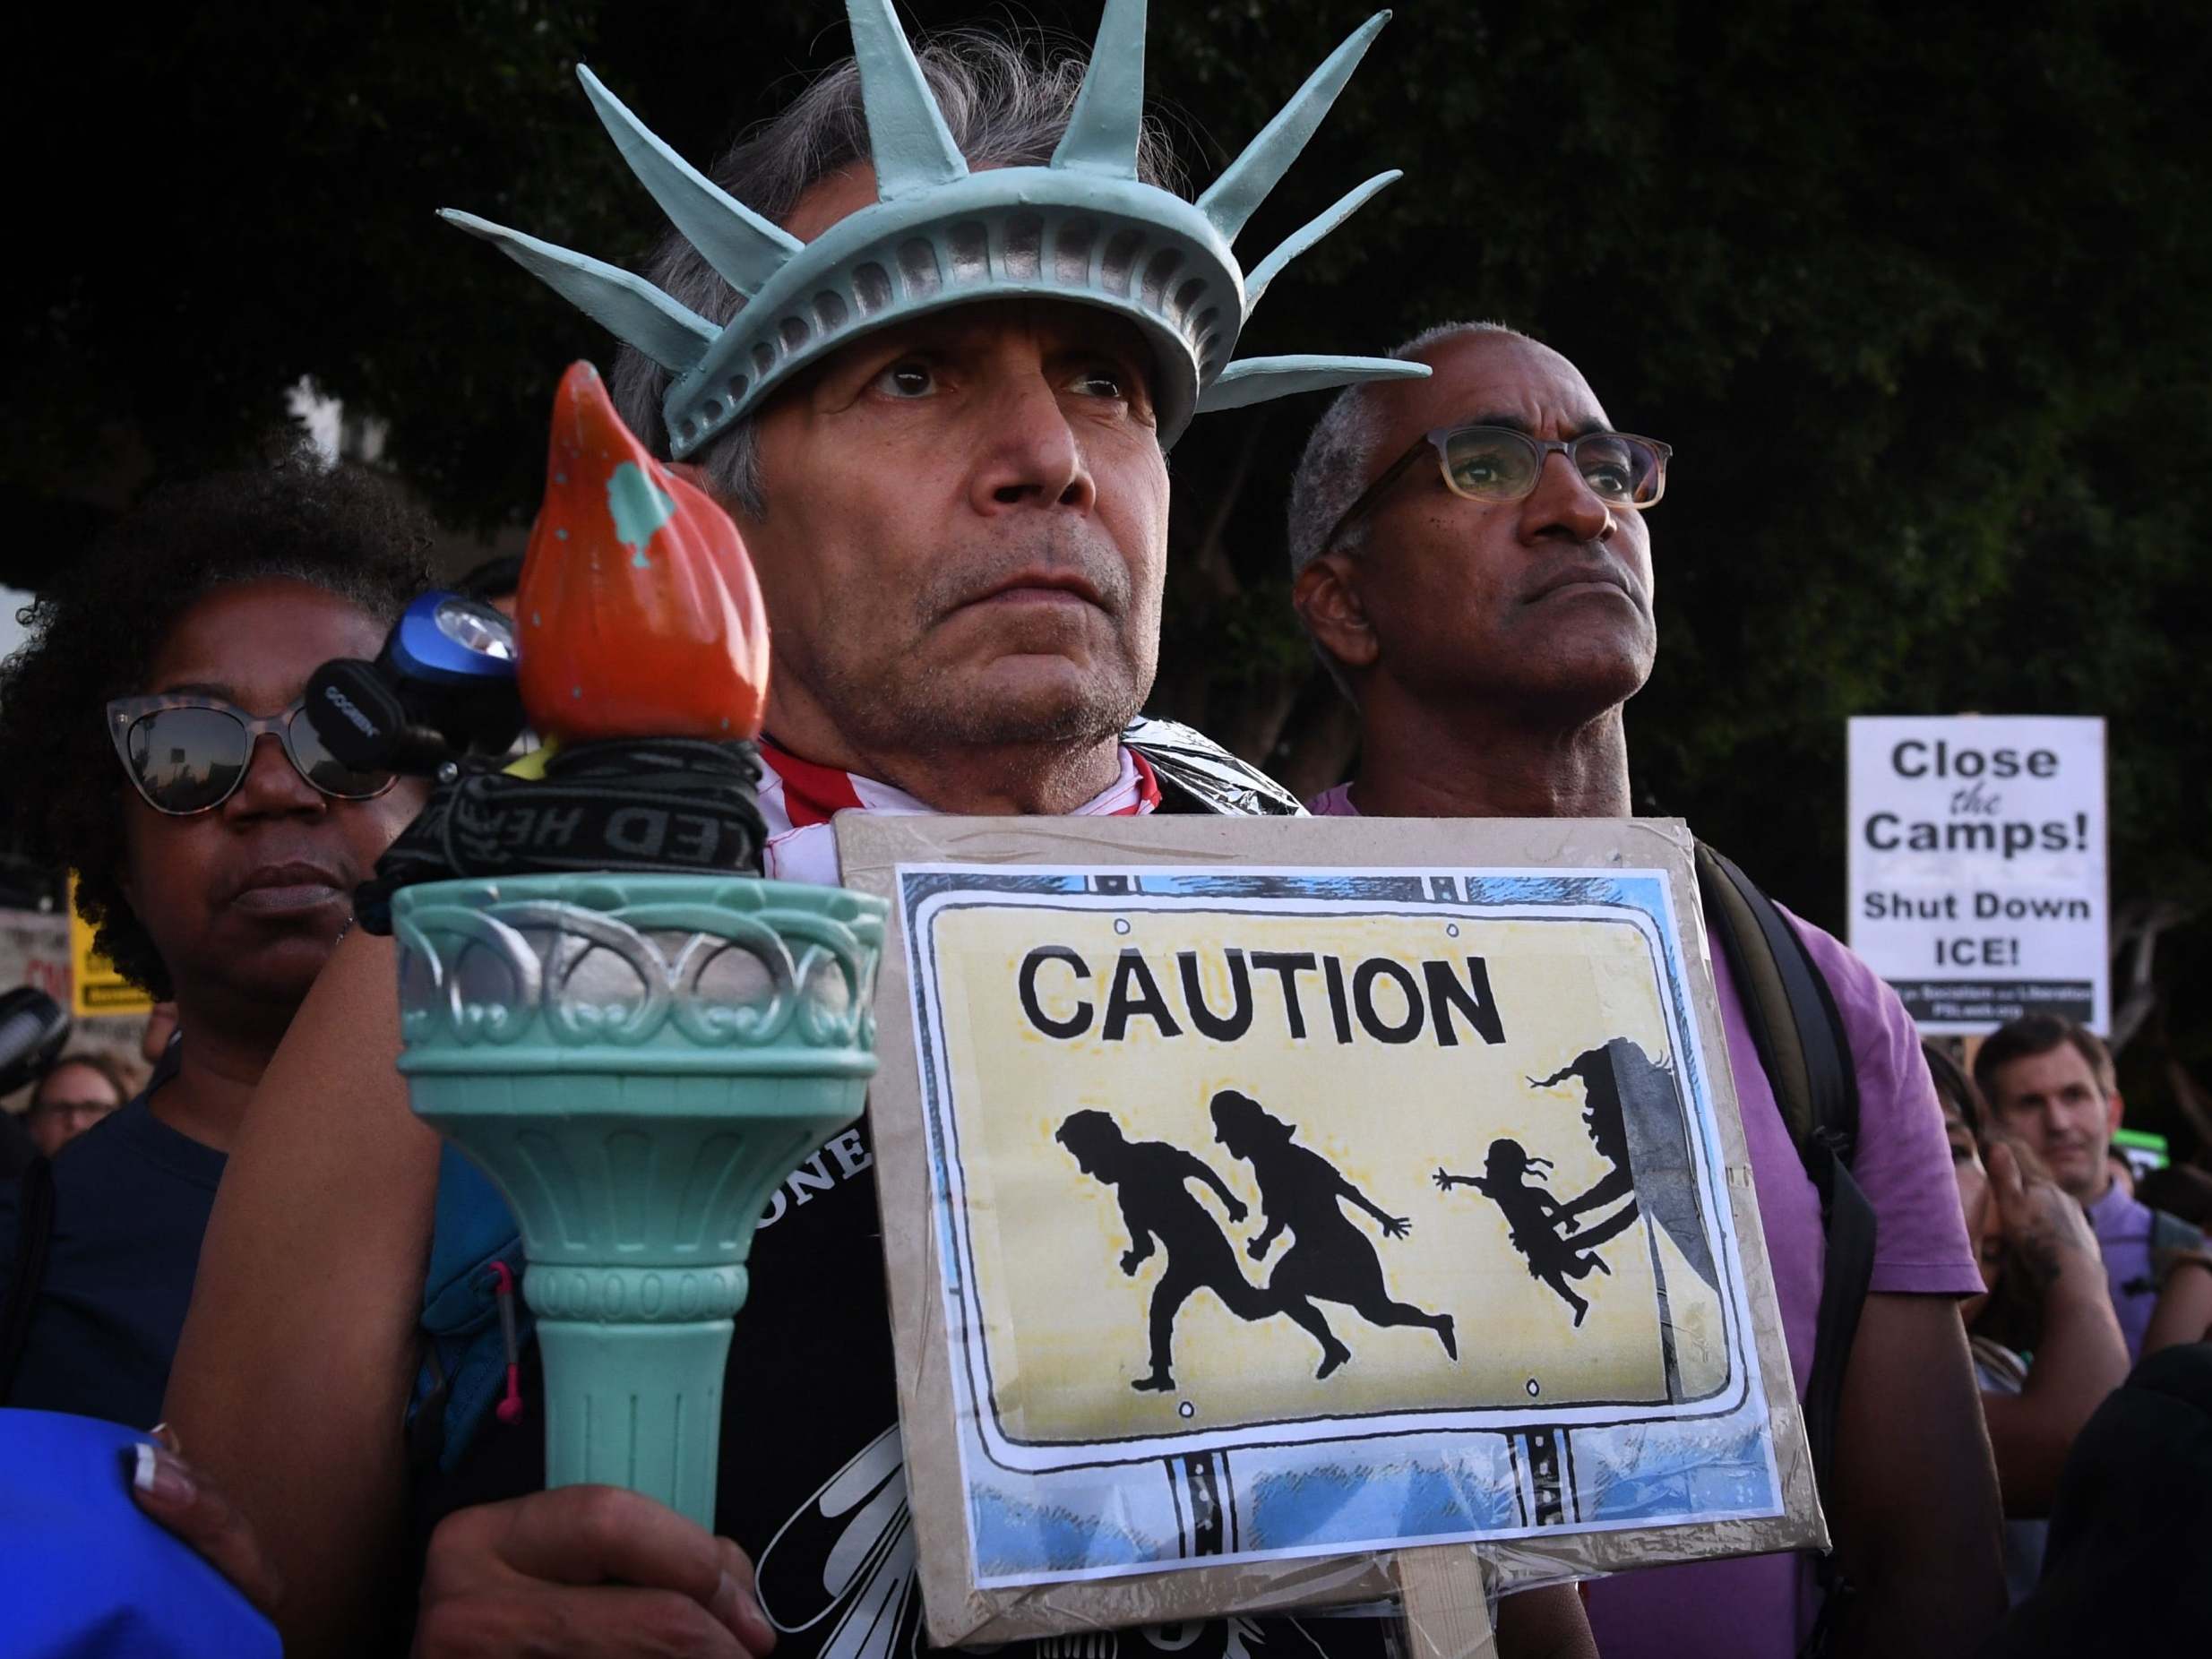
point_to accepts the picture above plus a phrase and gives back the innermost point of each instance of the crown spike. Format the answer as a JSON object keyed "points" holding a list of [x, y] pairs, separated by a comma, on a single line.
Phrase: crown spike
{"points": [[628, 306], [1109, 122], [744, 247], [1308, 234], [1238, 193], [908, 138], [1255, 380]]}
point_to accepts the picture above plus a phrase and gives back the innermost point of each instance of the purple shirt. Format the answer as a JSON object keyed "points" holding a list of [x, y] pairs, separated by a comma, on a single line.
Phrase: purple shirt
{"points": [[2123, 1233], [1758, 1606]]}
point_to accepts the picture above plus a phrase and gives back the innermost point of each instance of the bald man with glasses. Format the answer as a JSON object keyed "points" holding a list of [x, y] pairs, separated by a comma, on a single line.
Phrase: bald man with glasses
{"points": [[1471, 556]]}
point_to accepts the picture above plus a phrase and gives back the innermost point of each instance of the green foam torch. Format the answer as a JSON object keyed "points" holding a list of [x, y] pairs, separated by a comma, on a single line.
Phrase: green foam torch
{"points": [[638, 1062], [640, 1055]]}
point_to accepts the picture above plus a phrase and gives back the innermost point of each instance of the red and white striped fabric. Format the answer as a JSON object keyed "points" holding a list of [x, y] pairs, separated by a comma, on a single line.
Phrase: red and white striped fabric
{"points": [[798, 798]]}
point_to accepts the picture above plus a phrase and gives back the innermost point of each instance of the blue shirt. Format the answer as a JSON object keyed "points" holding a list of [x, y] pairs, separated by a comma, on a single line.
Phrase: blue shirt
{"points": [[131, 1203]]}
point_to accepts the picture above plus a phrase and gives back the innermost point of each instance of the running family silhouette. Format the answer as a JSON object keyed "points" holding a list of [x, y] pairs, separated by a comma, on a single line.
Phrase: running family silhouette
{"points": [[1301, 1193], [1631, 1109]]}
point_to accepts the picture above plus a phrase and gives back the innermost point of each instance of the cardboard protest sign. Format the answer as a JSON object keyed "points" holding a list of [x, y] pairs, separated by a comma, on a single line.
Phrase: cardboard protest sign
{"points": [[95, 987], [34, 951], [1977, 866], [1263, 1199]]}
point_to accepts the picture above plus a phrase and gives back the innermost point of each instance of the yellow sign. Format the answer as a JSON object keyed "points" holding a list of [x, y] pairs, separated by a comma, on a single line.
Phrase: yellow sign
{"points": [[1224, 1168], [95, 986], [1220, 1168]]}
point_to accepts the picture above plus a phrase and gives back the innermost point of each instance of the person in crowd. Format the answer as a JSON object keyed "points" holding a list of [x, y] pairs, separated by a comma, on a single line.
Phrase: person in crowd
{"points": [[2046, 1345], [958, 521], [77, 1091], [1471, 558], [2051, 1082], [217, 846]]}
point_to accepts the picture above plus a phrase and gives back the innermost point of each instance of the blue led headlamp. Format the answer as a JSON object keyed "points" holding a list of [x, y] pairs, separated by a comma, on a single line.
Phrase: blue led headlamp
{"points": [[443, 686], [445, 639]]}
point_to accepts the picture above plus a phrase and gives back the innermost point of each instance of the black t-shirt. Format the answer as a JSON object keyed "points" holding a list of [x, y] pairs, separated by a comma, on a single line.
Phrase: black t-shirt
{"points": [[131, 1203], [811, 1485]]}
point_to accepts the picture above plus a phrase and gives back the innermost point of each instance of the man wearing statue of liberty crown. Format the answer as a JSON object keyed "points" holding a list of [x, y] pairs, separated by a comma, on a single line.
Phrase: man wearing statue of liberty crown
{"points": [[928, 336]]}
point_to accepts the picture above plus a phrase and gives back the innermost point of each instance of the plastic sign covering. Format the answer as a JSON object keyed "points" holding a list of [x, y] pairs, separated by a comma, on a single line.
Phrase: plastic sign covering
{"points": [[1292, 1212]]}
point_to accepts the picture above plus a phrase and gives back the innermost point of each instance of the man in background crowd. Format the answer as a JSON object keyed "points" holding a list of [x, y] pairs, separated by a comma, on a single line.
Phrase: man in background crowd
{"points": [[2051, 1082], [1470, 557], [76, 1091]]}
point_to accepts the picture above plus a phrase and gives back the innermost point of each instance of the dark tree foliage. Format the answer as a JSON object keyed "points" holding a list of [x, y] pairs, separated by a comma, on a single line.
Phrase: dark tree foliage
{"points": [[1918, 292]]}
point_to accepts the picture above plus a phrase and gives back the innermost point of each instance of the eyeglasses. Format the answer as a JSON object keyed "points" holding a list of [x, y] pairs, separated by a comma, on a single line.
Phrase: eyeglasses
{"points": [[188, 754], [1499, 465]]}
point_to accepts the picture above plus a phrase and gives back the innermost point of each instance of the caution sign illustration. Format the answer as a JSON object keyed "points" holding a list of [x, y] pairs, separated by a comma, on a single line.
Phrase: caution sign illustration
{"points": [[1283, 1213], [1217, 1166]]}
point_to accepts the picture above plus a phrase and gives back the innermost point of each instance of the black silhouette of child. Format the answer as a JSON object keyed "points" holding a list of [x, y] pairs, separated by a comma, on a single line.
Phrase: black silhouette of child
{"points": [[1151, 1177], [1537, 1223], [1330, 1259]]}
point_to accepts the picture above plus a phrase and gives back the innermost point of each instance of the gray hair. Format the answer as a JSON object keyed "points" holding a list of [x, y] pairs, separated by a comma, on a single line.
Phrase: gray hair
{"points": [[1005, 105], [1333, 472], [1333, 469]]}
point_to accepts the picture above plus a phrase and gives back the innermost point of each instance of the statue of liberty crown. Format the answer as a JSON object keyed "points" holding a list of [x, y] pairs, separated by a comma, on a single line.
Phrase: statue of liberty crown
{"points": [[1084, 228]]}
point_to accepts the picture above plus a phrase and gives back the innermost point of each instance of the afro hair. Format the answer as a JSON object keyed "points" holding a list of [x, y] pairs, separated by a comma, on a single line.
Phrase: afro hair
{"points": [[101, 621]]}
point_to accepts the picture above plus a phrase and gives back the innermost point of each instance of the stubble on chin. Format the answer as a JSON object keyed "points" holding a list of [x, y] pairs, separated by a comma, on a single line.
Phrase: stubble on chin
{"points": [[886, 708], [903, 702]]}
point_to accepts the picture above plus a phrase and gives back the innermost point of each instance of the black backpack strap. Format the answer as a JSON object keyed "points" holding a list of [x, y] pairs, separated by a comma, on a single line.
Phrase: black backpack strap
{"points": [[2173, 1243], [1802, 1043], [34, 1233]]}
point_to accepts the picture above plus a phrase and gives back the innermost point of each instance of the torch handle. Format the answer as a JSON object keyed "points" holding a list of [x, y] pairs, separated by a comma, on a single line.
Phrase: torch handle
{"points": [[633, 1396], [598, 1047]]}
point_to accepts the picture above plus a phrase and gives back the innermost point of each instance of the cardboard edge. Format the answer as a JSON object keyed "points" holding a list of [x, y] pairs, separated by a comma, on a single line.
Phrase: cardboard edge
{"points": [[872, 847]]}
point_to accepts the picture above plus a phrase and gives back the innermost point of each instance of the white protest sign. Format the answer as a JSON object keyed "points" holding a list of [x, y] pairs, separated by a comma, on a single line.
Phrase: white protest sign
{"points": [[1977, 866]]}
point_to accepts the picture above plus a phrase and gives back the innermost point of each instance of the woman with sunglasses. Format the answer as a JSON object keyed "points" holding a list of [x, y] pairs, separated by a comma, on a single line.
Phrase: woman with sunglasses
{"points": [[153, 739]]}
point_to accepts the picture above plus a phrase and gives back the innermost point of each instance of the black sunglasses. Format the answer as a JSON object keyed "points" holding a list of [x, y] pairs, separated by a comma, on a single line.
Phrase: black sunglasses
{"points": [[1499, 465], [187, 754]]}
